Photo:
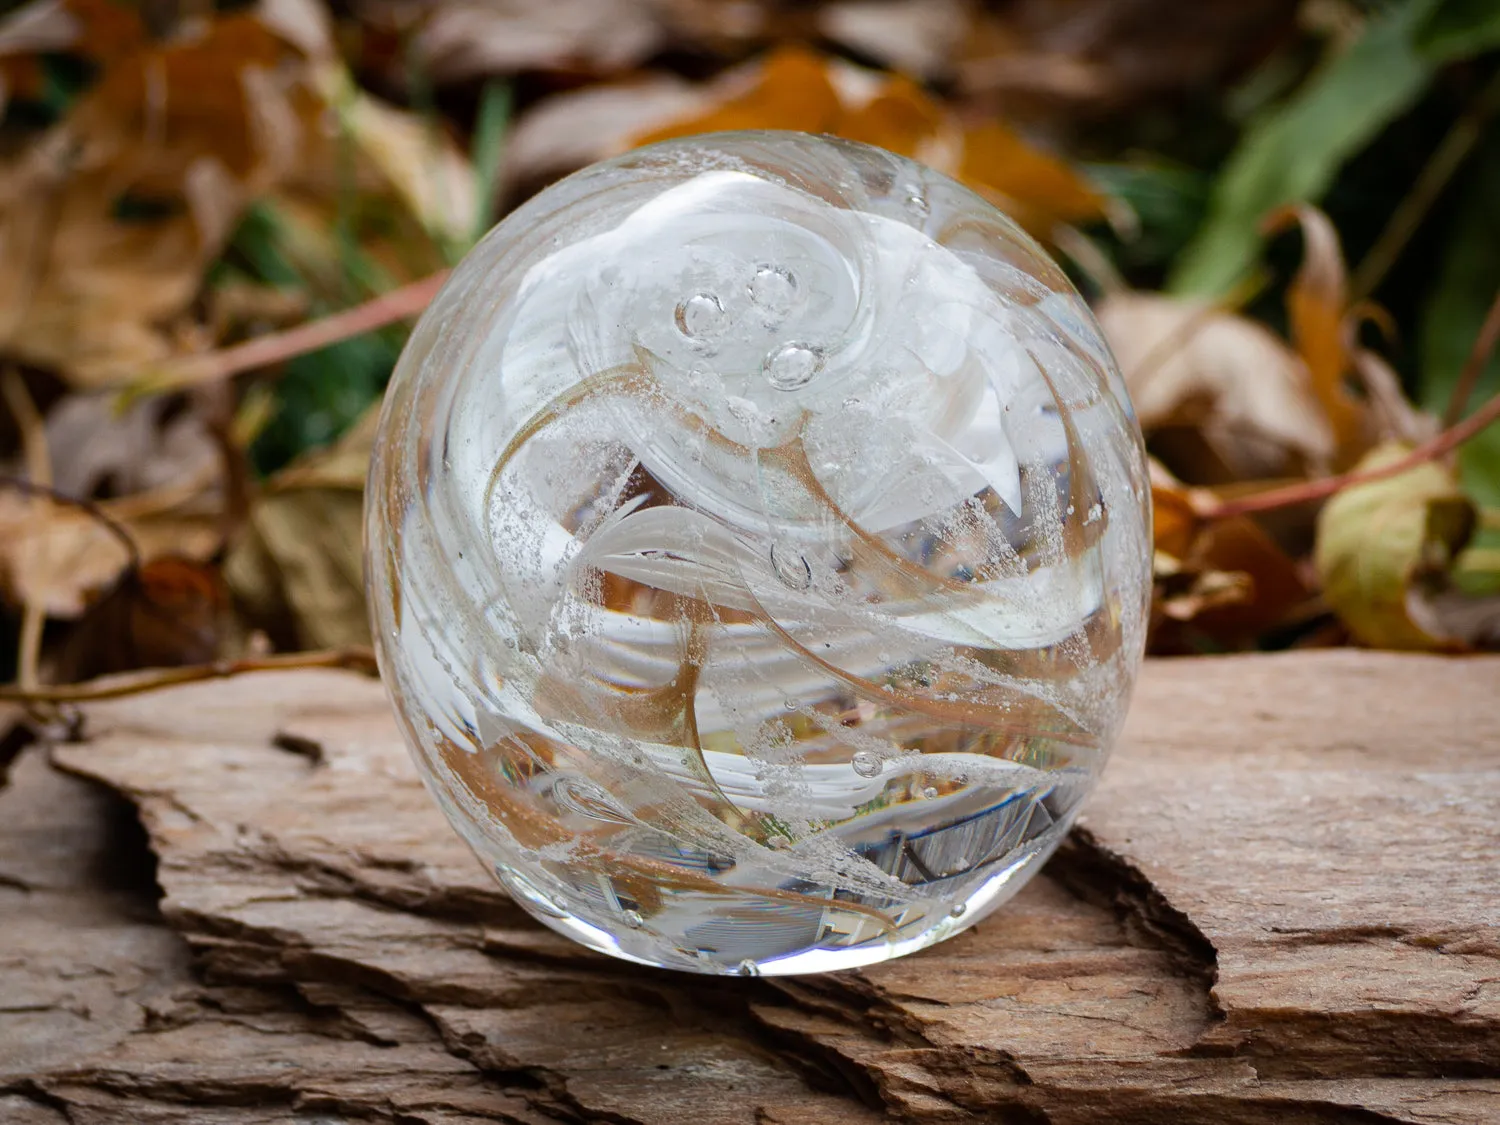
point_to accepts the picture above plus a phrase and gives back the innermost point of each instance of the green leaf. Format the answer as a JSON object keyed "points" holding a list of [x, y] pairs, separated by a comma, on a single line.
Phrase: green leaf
{"points": [[1292, 153], [1468, 278], [1378, 542], [1457, 29], [1168, 201], [491, 125]]}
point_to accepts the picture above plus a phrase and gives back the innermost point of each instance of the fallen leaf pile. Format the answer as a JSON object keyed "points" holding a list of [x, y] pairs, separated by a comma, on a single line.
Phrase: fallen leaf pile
{"points": [[178, 179]]}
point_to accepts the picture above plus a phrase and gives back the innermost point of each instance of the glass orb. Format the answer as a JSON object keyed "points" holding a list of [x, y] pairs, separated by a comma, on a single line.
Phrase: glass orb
{"points": [[758, 552]]}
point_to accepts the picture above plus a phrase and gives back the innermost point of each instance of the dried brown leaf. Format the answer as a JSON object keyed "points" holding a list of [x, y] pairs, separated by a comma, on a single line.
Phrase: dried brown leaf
{"points": [[299, 568], [64, 559], [457, 40], [1188, 364], [1227, 578], [918, 37], [108, 223], [569, 130]]}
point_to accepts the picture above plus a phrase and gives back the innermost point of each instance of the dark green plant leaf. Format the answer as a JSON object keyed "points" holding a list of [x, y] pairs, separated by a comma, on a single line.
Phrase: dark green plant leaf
{"points": [[1467, 280], [1168, 202], [1292, 152], [1458, 29]]}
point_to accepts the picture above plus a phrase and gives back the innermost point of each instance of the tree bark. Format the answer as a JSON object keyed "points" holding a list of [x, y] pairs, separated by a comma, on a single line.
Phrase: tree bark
{"points": [[233, 902]]}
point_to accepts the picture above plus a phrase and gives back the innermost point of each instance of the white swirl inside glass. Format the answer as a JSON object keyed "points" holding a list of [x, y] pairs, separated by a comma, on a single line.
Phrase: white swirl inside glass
{"points": [[759, 560]]}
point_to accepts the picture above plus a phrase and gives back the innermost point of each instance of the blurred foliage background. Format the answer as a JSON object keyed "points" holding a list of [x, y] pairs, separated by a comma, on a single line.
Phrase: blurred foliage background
{"points": [[217, 221]]}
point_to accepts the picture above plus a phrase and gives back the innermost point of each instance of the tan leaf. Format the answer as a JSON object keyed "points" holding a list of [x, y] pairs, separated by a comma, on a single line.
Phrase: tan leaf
{"points": [[299, 568], [419, 160], [1383, 546], [1188, 364], [108, 223], [63, 558], [462, 39], [918, 37], [103, 449], [567, 131]]}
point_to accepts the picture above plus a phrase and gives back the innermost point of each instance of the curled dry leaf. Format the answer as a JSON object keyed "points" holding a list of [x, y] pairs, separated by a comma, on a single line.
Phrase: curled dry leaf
{"points": [[1322, 331], [64, 559], [1384, 551], [1189, 364], [108, 222], [1226, 578]]}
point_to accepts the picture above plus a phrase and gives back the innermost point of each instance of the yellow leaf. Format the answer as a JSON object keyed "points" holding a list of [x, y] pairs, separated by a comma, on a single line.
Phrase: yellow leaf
{"points": [[1377, 542]]}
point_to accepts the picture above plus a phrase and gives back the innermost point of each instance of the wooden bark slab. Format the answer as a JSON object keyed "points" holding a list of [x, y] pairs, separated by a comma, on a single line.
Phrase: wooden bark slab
{"points": [[1282, 905]]}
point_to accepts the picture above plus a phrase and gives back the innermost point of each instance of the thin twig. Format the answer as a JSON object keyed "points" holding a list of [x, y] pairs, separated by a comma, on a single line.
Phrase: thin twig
{"points": [[358, 658], [1449, 439], [1474, 365], [275, 347], [1430, 182]]}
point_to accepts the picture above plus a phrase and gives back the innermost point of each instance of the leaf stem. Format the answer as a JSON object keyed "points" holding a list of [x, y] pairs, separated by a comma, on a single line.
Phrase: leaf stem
{"points": [[356, 658], [275, 347], [1308, 491], [1474, 365]]}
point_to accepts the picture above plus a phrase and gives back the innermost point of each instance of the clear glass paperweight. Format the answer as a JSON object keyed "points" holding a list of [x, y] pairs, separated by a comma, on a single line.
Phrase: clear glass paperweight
{"points": [[758, 551]]}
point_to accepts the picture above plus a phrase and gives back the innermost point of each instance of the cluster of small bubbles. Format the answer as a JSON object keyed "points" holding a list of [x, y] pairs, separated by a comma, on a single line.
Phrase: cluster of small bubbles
{"points": [[865, 763], [773, 290], [778, 843], [633, 919], [700, 315], [792, 366], [795, 573]]}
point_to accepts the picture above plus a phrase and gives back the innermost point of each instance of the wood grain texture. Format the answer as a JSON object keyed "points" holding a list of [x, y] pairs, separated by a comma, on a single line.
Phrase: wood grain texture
{"points": [[1282, 906]]}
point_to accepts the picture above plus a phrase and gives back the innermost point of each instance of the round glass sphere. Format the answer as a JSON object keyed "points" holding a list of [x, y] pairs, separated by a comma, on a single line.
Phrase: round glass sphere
{"points": [[758, 552]]}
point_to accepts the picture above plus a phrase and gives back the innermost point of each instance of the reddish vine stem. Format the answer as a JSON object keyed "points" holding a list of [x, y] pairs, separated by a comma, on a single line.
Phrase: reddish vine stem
{"points": [[388, 308], [1479, 355], [1430, 450]]}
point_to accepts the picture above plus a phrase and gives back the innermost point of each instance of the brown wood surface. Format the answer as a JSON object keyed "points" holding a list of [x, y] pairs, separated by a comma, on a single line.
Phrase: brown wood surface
{"points": [[1282, 905]]}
